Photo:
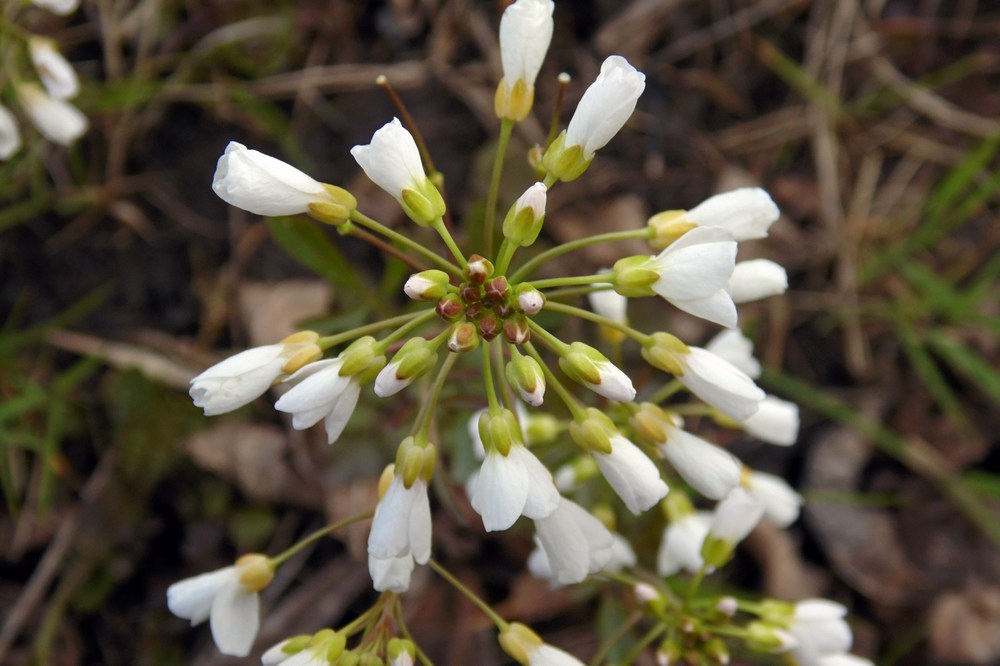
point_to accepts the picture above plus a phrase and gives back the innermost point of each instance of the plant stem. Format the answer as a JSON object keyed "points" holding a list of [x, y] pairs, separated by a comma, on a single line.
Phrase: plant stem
{"points": [[278, 560], [422, 425], [571, 402], [334, 340], [638, 336], [668, 390], [489, 222], [550, 340], [440, 227], [618, 634], [470, 595], [572, 281], [643, 643], [525, 270], [435, 258], [506, 253], [491, 390], [406, 328]]}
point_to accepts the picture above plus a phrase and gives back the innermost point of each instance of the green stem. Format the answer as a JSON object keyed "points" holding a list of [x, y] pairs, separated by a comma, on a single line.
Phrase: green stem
{"points": [[365, 221], [334, 340], [525, 270], [506, 392], [491, 390], [668, 390], [643, 643], [357, 623], [573, 281], [551, 341], [613, 640], [384, 343], [695, 584], [638, 336], [571, 403], [442, 229], [489, 223], [550, 180], [422, 425], [573, 292], [278, 560], [470, 595], [506, 253], [421, 656]]}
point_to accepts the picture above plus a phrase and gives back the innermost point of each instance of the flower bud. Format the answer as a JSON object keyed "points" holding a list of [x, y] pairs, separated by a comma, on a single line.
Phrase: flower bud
{"points": [[57, 120], [450, 307], [525, 34], [541, 428], [565, 162], [495, 291], [527, 378], [605, 106], [586, 365], [464, 337], [412, 361], [765, 637], [593, 432], [500, 431], [727, 606], [661, 350], [361, 356], [479, 269], [519, 641], [490, 326], [337, 210], [524, 219], [516, 331], [400, 652], [427, 285], [55, 72], [530, 301]]}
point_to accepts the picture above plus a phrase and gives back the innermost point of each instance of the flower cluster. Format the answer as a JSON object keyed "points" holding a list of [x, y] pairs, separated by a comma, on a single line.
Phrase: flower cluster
{"points": [[484, 309], [43, 88]]}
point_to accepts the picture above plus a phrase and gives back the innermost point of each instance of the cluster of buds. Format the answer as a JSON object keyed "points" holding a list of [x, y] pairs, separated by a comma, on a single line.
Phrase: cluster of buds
{"points": [[43, 94], [486, 301]]}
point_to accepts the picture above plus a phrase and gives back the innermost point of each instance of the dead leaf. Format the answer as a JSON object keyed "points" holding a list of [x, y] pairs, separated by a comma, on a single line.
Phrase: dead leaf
{"points": [[272, 310], [965, 626]]}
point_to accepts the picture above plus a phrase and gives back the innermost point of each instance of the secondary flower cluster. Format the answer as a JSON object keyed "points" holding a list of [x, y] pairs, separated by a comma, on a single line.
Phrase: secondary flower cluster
{"points": [[46, 105], [637, 440]]}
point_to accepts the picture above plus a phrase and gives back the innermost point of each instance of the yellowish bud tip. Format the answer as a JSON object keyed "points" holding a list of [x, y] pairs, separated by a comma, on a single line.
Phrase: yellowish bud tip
{"points": [[300, 338], [668, 226], [304, 356], [519, 641], [255, 571]]}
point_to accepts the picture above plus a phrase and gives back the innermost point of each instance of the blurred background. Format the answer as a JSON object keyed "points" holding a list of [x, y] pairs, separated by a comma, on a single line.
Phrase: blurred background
{"points": [[874, 124]]}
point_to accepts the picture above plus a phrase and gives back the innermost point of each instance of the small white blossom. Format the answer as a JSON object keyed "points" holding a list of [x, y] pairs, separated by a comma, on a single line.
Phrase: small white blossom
{"points": [[746, 213], [242, 378], [511, 486], [575, 542], [321, 393], [548, 655], [583, 363], [263, 185], [388, 381], [781, 502], [530, 301], [710, 470], [400, 534], [57, 75], [10, 135], [308, 656], [732, 346], [756, 279], [392, 160], [776, 421], [525, 33], [820, 630], [736, 516], [632, 474], [621, 556], [719, 383], [58, 121], [680, 548], [693, 273], [228, 598], [60, 7], [609, 304], [391, 574], [605, 106]]}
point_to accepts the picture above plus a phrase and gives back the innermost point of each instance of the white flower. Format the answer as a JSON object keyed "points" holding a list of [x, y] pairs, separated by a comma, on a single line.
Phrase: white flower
{"points": [[321, 393], [391, 574], [732, 346], [575, 542], [525, 33], [263, 185], [511, 486], [621, 556], [61, 7], [820, 630], [680, 547], [547, 655], [392, 160], [693, 273], [58, 121], [10, 135], [756, 279], [609, 304], [844, 660], [308, 656], [401, 529], [57, 75], [746, 213], [242, 378], [388, 381], [632, 474], [710, 470], [736, 516], [583, 363], [605, 106], [719, 383], [781, 502], [776, 421], [228, 598]]}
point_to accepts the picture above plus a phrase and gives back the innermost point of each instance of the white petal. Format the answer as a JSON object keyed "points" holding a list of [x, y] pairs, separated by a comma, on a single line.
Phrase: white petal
{"points": [[538, 565], [501, 490], [391, 574], [696, 265], [391, 160], [615, 384], [747, 213], [262, 184], [55, 72], [387, 383], [605, 106], [681, 544], [756, 279], [525, 33], [575, 542], [632, 474], [710, 470], [191, 598], [235, 619], [610, 304], [313, 398], [776, 421], [390, 533], [720, 384], [844, 660], [543, 496], [58, 121], [343, 408], [717, 308], [420, 524], [546, 655], [10, 135], [622, 555], [781, 502], [736, 516], [61, 7], [737, 349]]}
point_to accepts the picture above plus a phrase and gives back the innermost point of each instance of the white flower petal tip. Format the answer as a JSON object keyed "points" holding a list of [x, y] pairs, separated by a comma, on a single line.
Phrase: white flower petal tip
{"points": [[525, 33], [736, 516], [737, 349], [324, 395], [719, 383], [576, 543], [605, 106], [57, 120], [388, 383], [680, 548], [510, 486], [747, 213], [392, 160], [263, 185], [776, 421], [694, 271], [781, 503], [820, 630], [400, 535], [55, 72], [632, 474], [755, 280], [710, 470]]}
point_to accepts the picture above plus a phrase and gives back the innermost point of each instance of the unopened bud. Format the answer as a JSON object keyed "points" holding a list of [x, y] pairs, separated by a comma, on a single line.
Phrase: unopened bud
{"points": [[764, 637], [425, 206], [450, 307], [496, 291], [645, 593], [427, 285], [527, 378], [519, 641], [464, 337], [594, 431], [727, 606], [361, 356], [470, 293], [564, 163], [529, 300], [400, 651], [479, 269], [255, 571], [516, 331], [413, 360], [524, 219], [490, 326]]}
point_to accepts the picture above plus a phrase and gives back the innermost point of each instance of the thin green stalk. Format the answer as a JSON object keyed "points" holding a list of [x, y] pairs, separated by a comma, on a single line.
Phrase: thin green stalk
{"points": [[506, 392], [360, 218], [421, 656], [506, 253], [278, 560], [638, 336], [573, 292], [442, 229], [406, 328], [553, 382], [526, 270], [549, 339], [355, 625], [334, 340], [571, 281], [613, 640], [491, 390], [470, 595], [643, 643], [693, 588], [422, 425], [550, 180], [668, 390], [489, 222]]}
